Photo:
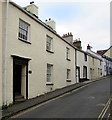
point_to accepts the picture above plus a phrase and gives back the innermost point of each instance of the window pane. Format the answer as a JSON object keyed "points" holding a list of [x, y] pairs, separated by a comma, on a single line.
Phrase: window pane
{"points": [[84, 71], [68, 73], [49, 73], [67, 53], [23, 30], [49, 43]]}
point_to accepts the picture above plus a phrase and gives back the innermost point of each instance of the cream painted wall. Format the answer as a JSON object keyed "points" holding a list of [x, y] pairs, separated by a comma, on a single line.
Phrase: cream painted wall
{"points": [[36, 51], [0, 54], [3, 52], [90, 67], [104, 67], [81, 62], [33, 8], [95, 66], [39, 56], [109, 53]]}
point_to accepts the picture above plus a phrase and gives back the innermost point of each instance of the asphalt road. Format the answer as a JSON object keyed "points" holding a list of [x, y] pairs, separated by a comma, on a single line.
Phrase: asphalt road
{"points": [[87, 102]]}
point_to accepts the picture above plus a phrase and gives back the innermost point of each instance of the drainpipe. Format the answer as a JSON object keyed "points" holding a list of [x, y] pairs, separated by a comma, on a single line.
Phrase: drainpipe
{"points": [[5, 53], [75, 63]]}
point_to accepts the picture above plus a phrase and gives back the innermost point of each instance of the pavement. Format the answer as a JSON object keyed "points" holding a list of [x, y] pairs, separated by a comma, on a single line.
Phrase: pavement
{"points": [[90, 101], [21, 106]]}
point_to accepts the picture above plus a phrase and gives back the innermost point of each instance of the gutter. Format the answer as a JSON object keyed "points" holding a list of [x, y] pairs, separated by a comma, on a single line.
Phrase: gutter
{"points": [[5, 53]]}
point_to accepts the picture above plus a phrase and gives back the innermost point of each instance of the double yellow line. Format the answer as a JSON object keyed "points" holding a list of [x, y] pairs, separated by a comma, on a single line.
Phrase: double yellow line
{"points": [[102, 114]]}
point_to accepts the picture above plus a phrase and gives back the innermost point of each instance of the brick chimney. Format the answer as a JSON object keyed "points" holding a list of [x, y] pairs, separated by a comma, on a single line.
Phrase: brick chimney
{"points": [[88, 47], [68, 37], [77, 43]]}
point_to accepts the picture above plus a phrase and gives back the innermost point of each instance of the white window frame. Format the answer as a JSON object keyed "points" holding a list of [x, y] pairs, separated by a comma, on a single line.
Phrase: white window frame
{"points": [[23, 31], [68, 74], [49, 75], [49, 43], [84, 71], [67, 53]]}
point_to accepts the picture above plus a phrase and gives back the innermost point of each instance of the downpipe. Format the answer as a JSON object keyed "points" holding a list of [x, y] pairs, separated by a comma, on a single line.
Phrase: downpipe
{"points": [[5, 53]]}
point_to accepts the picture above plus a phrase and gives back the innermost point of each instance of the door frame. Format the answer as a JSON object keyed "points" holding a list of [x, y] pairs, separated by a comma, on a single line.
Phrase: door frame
{"points": [[77, 68], [20, 61], [84, 68]]}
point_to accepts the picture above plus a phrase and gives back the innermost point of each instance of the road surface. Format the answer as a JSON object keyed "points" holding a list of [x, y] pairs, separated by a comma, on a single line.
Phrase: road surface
{"points": [[86, 102]]}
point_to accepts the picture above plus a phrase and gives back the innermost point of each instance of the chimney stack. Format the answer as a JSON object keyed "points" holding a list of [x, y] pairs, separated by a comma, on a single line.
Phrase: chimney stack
{"points": [[77, 43], [68, 37], [32, 8], [51, 23]]}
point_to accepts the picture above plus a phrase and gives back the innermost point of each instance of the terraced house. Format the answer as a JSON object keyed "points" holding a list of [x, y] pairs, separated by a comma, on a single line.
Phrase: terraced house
{"points": [[35, 59], [107, 60]]}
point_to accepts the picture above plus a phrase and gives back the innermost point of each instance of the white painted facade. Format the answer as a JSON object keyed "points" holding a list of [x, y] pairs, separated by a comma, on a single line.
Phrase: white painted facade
{"points": [[81, 62], [97, 63], [105, 64], [32, 58], [0, 54], [36, 51]]}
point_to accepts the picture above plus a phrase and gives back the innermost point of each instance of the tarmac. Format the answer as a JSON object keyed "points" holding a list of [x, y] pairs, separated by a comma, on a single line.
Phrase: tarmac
{"points": [[21, 106]]}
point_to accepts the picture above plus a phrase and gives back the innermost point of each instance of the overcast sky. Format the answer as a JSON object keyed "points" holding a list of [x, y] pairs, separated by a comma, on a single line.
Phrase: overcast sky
{"points": [[88, 20]]}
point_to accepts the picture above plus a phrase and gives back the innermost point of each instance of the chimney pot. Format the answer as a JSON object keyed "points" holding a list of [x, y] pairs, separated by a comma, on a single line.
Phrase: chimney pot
{"points": [[88, 47], [32, 2], [68, 37]]}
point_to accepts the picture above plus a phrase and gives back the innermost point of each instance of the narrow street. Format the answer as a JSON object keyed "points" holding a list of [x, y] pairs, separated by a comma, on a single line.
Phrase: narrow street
{"points": [[86, 102]]}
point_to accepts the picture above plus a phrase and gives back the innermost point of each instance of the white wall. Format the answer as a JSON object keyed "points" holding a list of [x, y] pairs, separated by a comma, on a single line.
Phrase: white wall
{"points": [[104, 67], [97, 66], [0, 53], [39, 56], [36, 51], [81, 62]]}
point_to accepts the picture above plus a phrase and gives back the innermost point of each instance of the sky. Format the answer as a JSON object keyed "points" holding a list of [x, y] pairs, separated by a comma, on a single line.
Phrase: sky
{"points": [[88, 20]]}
